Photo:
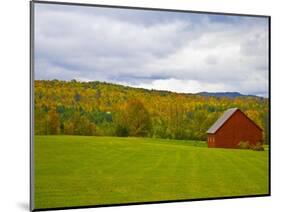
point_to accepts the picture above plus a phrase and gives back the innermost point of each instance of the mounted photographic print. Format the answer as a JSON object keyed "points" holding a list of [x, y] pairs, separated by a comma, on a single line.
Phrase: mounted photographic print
{"points": [[139, 105]]}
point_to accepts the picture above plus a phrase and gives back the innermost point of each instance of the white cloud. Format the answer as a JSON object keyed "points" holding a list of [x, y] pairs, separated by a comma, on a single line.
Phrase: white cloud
{"points": [[177, 52], [185, 86]]}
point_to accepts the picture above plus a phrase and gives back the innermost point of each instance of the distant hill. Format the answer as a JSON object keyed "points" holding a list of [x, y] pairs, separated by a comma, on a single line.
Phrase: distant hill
{"points": [[225, 94], [107, 109]]}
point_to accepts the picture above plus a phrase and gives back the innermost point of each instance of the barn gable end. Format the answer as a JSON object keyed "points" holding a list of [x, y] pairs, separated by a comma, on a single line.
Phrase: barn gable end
{"points": [[231, 128], [217, 125]]}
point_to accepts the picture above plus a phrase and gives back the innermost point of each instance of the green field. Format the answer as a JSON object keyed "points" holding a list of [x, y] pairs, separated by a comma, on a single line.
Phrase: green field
{"points": [[81, 170]]}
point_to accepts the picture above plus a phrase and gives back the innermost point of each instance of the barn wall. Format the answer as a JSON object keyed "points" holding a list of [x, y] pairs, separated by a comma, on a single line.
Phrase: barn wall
{"points": [[237, 128], [211, 140]]}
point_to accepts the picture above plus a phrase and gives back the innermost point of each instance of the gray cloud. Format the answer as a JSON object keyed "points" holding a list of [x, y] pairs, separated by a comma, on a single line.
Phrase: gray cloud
{"points": [[162, 50]]}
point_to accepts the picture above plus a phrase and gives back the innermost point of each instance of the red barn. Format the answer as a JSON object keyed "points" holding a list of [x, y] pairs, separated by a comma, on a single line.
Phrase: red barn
{"points": [[231, 128]]}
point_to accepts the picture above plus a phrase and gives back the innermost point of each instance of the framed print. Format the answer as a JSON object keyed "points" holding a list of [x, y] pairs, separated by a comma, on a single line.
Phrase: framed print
{"points": [[142, 105]]}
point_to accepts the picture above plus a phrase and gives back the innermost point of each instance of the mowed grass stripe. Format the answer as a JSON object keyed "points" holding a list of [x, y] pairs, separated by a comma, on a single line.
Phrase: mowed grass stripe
{"points": [[244, 171], [81, 170]]}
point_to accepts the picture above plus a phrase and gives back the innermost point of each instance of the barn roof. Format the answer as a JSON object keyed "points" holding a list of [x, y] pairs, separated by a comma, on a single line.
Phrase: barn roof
{"points": [[227, 114]]}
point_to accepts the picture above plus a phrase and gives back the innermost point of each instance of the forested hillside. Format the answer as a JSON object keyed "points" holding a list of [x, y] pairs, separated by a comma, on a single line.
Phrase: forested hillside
{"points": [[99, 108]]}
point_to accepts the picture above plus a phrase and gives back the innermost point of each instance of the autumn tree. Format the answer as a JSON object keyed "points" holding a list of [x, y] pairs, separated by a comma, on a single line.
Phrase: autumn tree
{"points": [[177, 124], [265, 119], [133, 119], [54, 122], [69, 128]]}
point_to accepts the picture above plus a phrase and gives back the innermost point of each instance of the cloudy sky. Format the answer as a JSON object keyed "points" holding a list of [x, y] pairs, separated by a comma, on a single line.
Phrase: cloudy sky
{"points": [[182, 52]]}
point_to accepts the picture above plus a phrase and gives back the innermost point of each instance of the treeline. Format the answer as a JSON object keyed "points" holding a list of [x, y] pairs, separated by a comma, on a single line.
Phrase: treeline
{"points": [[105, 109]]}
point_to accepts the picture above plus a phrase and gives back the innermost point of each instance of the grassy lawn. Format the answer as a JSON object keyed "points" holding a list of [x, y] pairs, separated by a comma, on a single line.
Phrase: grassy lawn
{"points": [[81, 170]]}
